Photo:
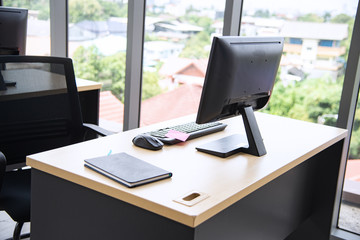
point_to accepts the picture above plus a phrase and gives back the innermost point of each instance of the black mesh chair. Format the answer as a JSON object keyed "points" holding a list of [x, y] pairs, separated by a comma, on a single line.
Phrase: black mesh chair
{"points": [[40, 110]]}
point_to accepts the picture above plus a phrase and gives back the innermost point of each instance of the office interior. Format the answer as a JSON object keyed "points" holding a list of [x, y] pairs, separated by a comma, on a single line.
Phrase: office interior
{"points": [[233, 17]]}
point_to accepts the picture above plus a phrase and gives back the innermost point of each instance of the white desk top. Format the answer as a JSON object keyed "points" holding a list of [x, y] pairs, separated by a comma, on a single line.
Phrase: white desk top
{"points": [[87, 85], [224, 180]]}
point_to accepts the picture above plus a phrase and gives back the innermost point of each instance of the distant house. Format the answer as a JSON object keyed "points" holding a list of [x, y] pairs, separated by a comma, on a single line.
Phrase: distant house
{"points": [[108, 45], [108, 36], [111, 112], [182, 101], [160, 50], [177, 26], [179, 102], [314, 45], [88, 30], [117, 26], [38, 37], [251, 26], [99, 28], [77, 33], [183, 70]]}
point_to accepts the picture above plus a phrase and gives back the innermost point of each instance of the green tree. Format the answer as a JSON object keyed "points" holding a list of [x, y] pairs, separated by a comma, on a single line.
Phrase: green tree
{"points": [[80, 10], [342, 18], [306, 100], [311, 17], [354, 152], [201, 21], [87, 63], [112, 74], [113, 9], [42, 6], [195, 46], [262, 13], [345, 19], [110, 71], [150, 86]]}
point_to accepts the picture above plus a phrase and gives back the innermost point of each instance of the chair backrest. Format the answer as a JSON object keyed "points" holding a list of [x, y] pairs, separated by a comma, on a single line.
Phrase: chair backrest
{"points": [[42, 111]]}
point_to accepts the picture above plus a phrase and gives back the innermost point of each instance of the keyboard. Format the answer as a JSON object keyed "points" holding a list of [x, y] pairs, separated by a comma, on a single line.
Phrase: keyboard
{"points": [[193, 129]]}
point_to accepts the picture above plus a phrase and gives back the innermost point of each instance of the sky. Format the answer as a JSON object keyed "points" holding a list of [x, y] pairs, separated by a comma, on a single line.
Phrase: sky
{"points": [[288, 6]]}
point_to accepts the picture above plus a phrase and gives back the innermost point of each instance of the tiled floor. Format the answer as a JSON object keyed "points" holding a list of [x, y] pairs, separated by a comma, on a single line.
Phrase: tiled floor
{"points": [[7, 226], [350, 218]]}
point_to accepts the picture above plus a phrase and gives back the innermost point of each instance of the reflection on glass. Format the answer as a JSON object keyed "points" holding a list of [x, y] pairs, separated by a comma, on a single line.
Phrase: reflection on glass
{"points": [[38, 27], [177, 44], [309, 82], [97, 44]]}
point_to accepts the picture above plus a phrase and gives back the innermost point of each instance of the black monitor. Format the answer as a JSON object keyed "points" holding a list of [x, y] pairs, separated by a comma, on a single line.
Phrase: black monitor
{"points": [[13, 31], [239, 79]]}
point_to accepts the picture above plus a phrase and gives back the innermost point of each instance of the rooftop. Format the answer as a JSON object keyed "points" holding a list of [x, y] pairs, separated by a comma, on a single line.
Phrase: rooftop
{"points": [[311, 30]]}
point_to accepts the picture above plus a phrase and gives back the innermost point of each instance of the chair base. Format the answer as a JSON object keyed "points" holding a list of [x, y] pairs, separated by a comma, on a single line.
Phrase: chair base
{"points": [[17, 232]]}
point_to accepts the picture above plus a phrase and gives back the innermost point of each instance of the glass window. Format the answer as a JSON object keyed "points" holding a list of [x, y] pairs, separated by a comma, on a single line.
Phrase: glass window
{"points": [[349, 214], [38, 28], [97, 44], [178, 37], [309, 82]]}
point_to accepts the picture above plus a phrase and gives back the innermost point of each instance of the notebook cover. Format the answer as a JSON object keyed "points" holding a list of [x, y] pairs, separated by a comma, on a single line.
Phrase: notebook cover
{"points": [[127, 169]]}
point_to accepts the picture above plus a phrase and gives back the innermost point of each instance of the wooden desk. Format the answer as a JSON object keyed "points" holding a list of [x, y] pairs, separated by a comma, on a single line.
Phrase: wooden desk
{"points": [[288, 193], [89, 96]]}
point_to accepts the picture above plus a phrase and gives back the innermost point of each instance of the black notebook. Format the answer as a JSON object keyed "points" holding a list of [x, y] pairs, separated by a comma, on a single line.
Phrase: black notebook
{"points": [[127, 169]]}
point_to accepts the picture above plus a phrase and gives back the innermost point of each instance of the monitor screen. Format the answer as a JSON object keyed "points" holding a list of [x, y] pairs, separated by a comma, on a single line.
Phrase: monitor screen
{"points": [[13, 29], [239, 79]]}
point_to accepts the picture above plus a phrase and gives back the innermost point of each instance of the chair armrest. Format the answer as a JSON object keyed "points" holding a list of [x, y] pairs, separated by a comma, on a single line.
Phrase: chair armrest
{"points": [[99, 130], [2, 168]]}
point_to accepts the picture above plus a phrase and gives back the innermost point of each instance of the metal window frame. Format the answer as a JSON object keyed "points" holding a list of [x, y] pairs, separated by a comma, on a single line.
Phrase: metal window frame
{"points": [[347, 109], [134, 59], [59, 28]]}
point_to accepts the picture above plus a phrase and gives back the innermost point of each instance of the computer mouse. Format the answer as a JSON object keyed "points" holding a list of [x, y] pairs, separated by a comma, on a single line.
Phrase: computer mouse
{"points": [[148, 142]]}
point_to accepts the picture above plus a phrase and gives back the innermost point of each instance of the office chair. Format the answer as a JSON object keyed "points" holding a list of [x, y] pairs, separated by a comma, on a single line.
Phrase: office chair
{"points": [[41, 111]]}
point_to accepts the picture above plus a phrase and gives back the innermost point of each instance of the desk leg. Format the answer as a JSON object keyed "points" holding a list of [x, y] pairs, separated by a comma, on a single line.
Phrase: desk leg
{"points": [[89, 101]]}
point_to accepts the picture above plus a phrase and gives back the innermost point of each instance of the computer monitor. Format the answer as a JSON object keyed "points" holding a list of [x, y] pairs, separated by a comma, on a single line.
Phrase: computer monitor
{"points": [[13, 31], [239, 79]]}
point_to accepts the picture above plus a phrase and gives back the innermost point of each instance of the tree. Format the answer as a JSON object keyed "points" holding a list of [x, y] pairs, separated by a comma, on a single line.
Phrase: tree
{"points": [[150, 86], [80, 10], [262, 13], [110, 70], [311, 17], [87, 63], [40, 5], [342, 18], [112, 74], [113, 9], [306, 100], [195, 46]]}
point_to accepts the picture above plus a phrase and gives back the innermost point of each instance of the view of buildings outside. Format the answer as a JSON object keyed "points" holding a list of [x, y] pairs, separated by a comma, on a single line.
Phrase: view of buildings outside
{"points": [[317, 38], [178, 37], [177, 43]]}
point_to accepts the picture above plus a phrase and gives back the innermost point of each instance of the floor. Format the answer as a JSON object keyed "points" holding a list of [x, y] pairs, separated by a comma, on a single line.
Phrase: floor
{"points": [[349, 220], [7, 226]]}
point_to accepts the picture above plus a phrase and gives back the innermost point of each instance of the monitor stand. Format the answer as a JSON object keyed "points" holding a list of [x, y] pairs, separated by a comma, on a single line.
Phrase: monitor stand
{"points": [[252, 143]]}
